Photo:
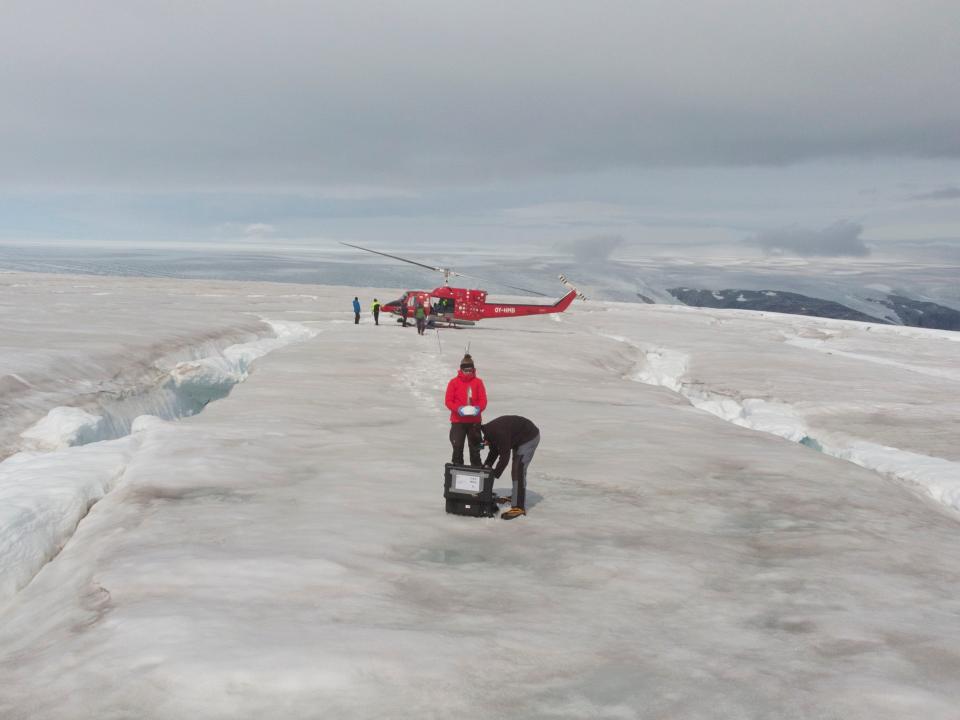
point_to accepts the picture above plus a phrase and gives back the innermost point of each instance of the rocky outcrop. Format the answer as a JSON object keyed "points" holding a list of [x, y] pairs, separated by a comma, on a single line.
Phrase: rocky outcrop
{"points": [[770, 301]]}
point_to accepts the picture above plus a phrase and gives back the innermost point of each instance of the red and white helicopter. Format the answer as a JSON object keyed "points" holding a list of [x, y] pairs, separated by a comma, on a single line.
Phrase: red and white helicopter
{"points": [[460, 306]]}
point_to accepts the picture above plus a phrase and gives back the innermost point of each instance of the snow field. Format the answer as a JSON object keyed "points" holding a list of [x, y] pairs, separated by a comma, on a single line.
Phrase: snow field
{"points": [[285, 552]]}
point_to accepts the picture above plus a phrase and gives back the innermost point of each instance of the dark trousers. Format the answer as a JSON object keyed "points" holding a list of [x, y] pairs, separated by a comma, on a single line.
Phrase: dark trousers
{"points": [[466, 431], [518, 471], [356, 318], [376, 316]]}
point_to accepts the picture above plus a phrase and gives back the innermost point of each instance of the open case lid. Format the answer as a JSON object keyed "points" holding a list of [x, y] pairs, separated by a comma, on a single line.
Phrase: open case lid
{"points": [[469, 480]]}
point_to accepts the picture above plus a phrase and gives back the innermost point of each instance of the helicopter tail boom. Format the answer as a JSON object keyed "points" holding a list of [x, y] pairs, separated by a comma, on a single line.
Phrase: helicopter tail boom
{"points": [[491, 310]]}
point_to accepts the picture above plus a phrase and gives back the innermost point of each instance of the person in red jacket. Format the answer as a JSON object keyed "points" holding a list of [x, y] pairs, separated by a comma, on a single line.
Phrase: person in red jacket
{"points": [[466, 399]]}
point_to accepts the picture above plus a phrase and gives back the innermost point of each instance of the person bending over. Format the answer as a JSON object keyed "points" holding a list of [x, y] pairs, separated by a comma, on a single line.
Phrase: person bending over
{"points": [[506, 435]]}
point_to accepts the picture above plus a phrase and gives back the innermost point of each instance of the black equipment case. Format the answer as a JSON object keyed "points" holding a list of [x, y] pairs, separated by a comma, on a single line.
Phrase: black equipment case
{"points": [[469, 490]]}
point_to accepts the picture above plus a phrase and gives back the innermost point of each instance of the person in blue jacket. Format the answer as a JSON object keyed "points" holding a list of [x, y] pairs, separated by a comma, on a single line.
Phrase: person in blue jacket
{"points": [[356, 311]]}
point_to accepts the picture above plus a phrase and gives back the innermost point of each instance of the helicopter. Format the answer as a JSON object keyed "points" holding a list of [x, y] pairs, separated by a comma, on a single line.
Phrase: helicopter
{"points": [[453, 306]]}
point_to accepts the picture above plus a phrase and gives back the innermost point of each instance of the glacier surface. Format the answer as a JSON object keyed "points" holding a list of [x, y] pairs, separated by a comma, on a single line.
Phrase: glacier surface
{"points": [[281, 550]]}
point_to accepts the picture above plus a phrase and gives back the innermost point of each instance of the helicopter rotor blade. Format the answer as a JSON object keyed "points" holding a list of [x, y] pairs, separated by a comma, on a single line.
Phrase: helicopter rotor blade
{"points": [[501, 284], [447, 272], [395, 257]]}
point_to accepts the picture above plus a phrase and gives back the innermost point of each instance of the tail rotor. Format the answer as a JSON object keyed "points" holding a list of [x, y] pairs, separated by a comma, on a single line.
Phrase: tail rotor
{"points": [[570, 286]]}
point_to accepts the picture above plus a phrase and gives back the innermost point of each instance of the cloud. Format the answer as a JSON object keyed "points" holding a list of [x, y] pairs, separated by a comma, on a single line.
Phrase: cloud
{"points": [[253, 231], [595, 249], [427, 93], [840, 239], [951, 192], [582, 213], [259, 230]]}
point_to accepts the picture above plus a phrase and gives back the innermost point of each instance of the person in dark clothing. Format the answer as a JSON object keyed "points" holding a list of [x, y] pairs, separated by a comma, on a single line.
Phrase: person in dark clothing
{"points": [[376, 311], [466, 399], [506, 435], [404, 311], [356, 311]]}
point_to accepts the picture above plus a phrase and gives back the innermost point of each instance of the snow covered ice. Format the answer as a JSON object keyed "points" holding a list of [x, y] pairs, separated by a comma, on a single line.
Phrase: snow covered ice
{"points": [[277, 547]]}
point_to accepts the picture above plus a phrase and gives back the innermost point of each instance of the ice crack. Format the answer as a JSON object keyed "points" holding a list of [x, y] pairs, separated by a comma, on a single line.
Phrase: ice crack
{"points": [[180, 391], [74, 457], [937, 477]]}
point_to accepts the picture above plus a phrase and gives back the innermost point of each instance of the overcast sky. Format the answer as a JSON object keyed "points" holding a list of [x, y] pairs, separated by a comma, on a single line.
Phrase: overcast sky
{"points": [[726, 123]]}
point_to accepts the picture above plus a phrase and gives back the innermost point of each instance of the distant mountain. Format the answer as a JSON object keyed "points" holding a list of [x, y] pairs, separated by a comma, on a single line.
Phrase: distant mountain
{"points": [[770, 301], [906, 311], [918, 313]]}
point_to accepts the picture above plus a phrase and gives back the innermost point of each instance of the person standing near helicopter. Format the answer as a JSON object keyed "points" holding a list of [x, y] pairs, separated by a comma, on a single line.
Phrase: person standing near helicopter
{"points": [[466, 398], [375, 309], [420, 315]]}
